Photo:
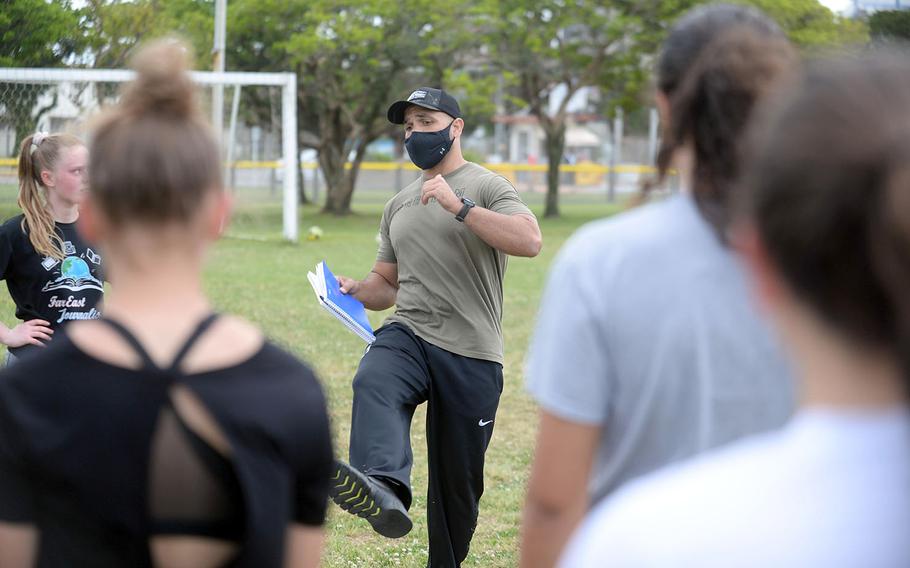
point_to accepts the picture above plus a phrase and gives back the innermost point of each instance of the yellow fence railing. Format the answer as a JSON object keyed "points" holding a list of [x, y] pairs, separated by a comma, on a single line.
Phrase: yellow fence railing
{"points": [[584, 168], [586, 173]]}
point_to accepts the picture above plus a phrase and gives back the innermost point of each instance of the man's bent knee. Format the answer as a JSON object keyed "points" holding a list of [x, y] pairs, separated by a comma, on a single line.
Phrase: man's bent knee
{"points": [[369, 382]]}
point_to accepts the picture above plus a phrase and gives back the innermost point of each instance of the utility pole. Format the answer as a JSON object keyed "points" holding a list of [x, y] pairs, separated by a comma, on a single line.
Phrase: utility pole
{"points": [[615, 155], [499, 129], [218, 67], [653, 123]]}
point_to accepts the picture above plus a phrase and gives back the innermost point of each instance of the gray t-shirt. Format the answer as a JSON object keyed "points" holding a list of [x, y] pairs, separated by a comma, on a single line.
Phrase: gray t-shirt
{"points": [[450, 281], [647, 330]]}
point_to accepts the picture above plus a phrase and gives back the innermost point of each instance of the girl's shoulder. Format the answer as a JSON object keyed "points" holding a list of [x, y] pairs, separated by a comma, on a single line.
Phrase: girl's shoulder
{"points": [[13, 222], [12, 226]]}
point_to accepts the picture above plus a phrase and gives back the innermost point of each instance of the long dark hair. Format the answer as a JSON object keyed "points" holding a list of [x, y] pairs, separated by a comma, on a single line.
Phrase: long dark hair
{"points": [[829, 193], [716, 64]]}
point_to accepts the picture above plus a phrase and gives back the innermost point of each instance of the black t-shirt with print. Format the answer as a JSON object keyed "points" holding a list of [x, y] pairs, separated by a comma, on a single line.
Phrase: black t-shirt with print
{"points": [[45, 287]]}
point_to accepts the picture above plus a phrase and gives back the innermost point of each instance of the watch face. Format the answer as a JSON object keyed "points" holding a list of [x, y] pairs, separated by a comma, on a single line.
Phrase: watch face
{"points": [[468, 204]]}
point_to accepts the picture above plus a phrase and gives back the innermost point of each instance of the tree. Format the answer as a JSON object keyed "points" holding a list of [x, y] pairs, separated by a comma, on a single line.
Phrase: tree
{"points": [[257, 32], [34, 33], [890, 25], [812, 26], [110, 31], [114, 28], [554, 46], [360, 59], [561, 47], [352, 60], [349, 58], [452, 58]]}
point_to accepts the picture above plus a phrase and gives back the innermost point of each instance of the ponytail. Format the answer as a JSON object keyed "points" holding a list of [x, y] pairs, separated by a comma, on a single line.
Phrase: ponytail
{"points": [[715, 64], [711, 109], [40, 152]]}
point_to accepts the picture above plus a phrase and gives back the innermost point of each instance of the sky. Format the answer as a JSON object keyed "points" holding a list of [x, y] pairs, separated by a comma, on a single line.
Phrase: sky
{"points": [[837, 5]]}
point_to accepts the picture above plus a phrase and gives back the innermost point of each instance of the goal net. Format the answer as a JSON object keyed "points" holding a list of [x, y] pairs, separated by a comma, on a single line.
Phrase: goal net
{"points": [[254, 115]]}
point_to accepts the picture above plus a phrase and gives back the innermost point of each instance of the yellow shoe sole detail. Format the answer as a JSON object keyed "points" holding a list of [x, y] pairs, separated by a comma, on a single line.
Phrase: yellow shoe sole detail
{"points": [[343, 483], [359, 491], [348, 492]]}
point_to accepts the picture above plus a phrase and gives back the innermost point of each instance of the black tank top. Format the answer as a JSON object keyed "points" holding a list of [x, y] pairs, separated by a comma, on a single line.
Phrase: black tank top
{"points": [[99, 459]]}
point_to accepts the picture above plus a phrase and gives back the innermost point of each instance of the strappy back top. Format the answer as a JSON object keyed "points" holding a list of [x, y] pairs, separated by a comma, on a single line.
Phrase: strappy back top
{"points": [[147, 362], [193, 488], [103, 459]]}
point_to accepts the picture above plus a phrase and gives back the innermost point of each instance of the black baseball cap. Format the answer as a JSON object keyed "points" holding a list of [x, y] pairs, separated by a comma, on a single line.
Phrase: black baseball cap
{"points": [[426, 97]]}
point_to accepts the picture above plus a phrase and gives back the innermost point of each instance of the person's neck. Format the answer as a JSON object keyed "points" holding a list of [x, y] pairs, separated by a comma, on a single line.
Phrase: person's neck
{"points": [[154, 291], [62, 211], [838, 374], [453, 160], [684, 164]]}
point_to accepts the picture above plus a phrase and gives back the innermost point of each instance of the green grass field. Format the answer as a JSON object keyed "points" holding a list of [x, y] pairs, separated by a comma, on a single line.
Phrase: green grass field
{"points": [[264, 280]]}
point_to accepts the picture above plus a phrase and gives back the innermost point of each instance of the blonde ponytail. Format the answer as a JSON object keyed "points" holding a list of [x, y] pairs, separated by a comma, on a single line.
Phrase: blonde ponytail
{"points": [[38, 153]]}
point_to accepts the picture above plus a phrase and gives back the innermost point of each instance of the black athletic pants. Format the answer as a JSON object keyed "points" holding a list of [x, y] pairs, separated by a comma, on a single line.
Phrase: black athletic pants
{"points": [[398, 372]]}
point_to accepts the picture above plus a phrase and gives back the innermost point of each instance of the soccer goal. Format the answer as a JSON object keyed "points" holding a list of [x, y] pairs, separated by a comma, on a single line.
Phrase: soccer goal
{"points": [[257, 127]]}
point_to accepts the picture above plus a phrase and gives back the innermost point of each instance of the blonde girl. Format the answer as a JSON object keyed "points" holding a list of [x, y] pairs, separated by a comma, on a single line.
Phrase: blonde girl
{"points": [[52, 273]]}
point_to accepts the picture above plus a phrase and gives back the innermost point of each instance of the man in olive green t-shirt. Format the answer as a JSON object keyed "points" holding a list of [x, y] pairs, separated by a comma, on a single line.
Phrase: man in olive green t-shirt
{"points": [[445, 241]]}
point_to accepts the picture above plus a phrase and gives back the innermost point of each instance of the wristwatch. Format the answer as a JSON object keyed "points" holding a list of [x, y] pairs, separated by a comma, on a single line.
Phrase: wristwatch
{"points": [[468, 204]]}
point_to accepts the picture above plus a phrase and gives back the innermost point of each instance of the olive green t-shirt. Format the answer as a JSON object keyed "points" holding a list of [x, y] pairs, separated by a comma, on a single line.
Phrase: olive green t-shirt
{"points": [[450, 281]]}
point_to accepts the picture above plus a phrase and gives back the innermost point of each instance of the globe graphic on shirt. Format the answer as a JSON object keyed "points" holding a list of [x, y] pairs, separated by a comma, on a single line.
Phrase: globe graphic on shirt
{"points": [[74, 276], [75, 268]]}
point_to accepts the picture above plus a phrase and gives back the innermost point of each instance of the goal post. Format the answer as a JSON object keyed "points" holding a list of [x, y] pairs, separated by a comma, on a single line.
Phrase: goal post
{"points": [[75, 94]]}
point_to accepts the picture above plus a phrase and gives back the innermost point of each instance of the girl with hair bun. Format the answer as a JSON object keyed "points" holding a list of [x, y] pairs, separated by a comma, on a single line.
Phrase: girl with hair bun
{"points": [[163, 434], [53, 275], [825, 232]]}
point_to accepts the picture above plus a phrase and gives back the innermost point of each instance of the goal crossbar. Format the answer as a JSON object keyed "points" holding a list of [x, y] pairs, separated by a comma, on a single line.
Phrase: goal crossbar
{"points": [[287, 82]]}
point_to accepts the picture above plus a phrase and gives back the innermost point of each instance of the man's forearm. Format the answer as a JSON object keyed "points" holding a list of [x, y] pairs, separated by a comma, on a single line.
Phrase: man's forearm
{"points": [[376, 293], [516, 235]]}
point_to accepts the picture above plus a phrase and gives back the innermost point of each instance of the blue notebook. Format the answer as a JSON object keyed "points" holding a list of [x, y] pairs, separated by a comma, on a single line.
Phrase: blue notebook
{"points": [[347, 309]]}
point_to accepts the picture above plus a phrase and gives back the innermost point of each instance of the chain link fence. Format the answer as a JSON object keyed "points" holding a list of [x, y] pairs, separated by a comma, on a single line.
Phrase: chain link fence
{"points": [[258, 131]]}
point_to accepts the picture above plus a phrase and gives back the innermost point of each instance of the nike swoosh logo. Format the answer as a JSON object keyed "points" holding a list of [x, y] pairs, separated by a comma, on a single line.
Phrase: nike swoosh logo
{"points": [[482, 423]]}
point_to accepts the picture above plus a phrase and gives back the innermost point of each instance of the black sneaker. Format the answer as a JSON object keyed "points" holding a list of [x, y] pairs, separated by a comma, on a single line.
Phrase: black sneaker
{"points": [[368, 498]]}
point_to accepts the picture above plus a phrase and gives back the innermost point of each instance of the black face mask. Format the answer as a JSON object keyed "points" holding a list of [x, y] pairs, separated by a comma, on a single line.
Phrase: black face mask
{"points": [[426, 149]]}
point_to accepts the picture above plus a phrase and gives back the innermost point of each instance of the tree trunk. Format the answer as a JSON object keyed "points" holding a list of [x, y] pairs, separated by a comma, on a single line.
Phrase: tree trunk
{"points": [[342, 196], [331, 160], [555, 141], [338, 200], [338, 137], [350, 176], [332, 157]]}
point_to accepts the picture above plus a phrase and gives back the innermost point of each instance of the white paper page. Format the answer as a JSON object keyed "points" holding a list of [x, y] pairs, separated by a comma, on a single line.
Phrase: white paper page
{"points": [[314, 282]]}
